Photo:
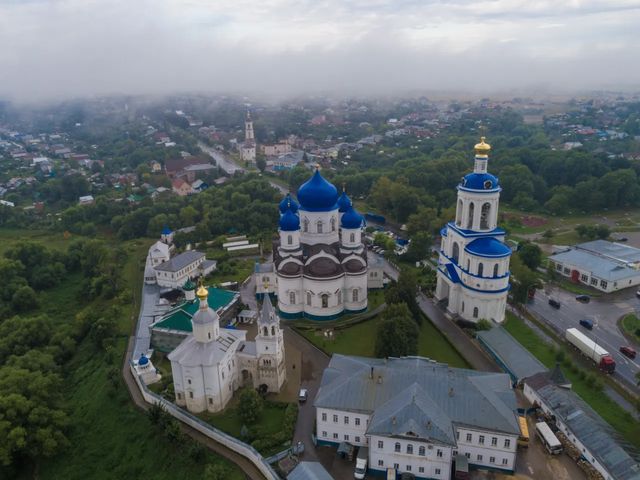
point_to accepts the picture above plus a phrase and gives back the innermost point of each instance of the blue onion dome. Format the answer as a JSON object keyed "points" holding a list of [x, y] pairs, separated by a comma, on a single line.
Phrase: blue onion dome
{"points": [[488, 247], [480, 181], [351, 219], [344, 202], [166, 230], [143, 360], [288, 202], [317, 194], [289, 222]]}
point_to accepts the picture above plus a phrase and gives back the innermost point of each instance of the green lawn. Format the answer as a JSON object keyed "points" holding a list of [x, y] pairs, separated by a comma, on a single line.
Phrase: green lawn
{"points": [[55, 240], [237, 270], [615, 415], [360, 340], [631, 326]]}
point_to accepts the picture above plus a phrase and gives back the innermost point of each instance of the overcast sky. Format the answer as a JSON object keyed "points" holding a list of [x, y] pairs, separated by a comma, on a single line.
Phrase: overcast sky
{"points": [[61, 48]]}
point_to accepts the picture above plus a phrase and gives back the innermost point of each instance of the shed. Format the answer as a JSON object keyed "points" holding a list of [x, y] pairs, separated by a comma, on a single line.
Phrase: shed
{"points": [[309, 471], [512, 357]]}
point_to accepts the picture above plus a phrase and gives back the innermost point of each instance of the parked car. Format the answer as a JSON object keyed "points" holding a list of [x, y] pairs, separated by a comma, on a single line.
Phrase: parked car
{"points": [[628, 351], [583, 298], [638, 293], [302, 395], [554, 303], [586, 323]]}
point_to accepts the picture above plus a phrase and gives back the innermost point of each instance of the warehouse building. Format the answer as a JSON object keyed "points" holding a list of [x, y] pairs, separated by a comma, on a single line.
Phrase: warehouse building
{"points": [[598, 443], [605, 266], [512, 357]]}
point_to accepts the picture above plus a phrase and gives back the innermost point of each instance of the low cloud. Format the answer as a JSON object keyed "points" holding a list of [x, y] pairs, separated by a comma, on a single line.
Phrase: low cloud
{"points": [[68, 48]]}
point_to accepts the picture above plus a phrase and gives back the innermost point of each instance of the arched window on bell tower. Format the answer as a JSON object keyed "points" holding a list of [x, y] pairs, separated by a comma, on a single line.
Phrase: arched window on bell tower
{"points": [[485, 215], [459, 213], [470, 217], [455, 252]]}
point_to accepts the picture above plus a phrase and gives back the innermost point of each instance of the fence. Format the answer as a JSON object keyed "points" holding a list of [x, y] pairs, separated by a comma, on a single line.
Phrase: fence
{"points": [[216, 435]]}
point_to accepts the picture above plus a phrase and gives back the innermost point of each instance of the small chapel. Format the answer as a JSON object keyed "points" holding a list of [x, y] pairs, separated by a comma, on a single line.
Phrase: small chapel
{"points": [[213, 362]]}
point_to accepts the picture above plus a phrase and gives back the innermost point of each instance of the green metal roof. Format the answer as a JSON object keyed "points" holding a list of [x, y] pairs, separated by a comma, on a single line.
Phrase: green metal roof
{"points": [[179, 318]]}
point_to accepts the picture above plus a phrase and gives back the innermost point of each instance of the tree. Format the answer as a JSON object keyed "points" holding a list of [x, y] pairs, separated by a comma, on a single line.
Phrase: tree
{"points": [[419, 247], [216, 471], [404, 291], [261, 163], [397, 334], [249, 406], [523, 279], [24, 300], [530, 254]]}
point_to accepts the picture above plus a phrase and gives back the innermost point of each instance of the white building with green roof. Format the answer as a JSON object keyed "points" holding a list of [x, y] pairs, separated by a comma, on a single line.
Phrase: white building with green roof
{"points": [[211, 362]]}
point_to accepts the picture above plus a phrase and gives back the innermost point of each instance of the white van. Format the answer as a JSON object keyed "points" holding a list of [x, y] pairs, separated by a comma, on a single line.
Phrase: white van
{"points": [[361, 463]]}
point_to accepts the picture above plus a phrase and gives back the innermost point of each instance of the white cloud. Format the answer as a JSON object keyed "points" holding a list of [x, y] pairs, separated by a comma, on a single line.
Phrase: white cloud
{"points": [[81, 47]]}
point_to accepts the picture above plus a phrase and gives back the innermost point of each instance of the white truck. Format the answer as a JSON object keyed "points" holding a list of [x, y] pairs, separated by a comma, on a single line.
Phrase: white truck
{"points": [[361, 463], [591, 349]]}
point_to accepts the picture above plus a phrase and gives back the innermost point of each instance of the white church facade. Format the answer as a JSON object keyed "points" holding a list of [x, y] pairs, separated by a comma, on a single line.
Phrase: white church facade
{"points": [[319, 260], [212, 363], [473, 265]]}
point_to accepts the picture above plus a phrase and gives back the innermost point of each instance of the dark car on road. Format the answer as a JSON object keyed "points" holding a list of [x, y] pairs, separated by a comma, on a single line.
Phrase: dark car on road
{"points": [[554, 303], [586, 323], [628, 351], [583, 298]]}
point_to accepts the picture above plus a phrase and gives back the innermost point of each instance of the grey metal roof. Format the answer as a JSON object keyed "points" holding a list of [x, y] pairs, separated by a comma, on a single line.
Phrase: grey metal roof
{"points": [[444, 396], [180, 261], [191, 353], [309, 471], [510, 354], [267, 314], [264, 267], [605, 260], [604, 444]]}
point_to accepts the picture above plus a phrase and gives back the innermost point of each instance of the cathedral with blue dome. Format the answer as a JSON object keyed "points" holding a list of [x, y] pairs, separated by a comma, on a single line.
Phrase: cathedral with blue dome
{"points": [[473, 267], [319, 259]]}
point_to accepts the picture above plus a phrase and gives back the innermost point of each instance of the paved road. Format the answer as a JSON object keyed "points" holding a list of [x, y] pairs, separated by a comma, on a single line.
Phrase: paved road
{"points": [[149, 312], [603, 311], [222, 160]]}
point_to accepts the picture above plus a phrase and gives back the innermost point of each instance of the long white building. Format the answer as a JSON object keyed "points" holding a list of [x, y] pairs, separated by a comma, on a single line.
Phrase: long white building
{"points": [[473, 267], [416, 415]]}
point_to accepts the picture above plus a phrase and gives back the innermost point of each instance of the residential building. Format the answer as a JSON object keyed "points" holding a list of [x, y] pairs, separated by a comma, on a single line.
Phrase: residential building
{"points": [[416, 415]]}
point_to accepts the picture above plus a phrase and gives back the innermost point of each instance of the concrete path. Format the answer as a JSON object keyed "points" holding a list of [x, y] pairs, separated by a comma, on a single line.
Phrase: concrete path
{"points": [[466, 346], [149, 312]]}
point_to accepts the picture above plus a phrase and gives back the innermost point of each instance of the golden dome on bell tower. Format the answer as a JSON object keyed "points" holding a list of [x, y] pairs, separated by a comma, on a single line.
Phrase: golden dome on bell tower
{"points": [[482, 148]]}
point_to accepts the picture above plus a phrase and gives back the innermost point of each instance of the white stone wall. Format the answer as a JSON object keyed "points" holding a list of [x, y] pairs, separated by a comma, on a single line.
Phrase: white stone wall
{"points": [[286, 286], [313, 289], [331, 426], [290, 240], [468, 221], [375, 278], [351, 237], [312, 219], [359, 283], [480, 448], [432, 462]]}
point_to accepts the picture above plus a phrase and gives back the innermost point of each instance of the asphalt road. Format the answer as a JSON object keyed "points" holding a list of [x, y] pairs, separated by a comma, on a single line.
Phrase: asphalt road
{"points": [[604, 311], [222, 160]]}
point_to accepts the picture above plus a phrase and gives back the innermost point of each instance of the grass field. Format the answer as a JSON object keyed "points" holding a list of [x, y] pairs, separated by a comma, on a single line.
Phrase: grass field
{"points": [[631, 326], [360, 340], [615, 415], [109, 437]]}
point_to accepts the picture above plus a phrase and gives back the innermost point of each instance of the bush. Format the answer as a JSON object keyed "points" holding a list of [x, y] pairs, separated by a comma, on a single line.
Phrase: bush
{"points": [[560, 356], [484, 324]]}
